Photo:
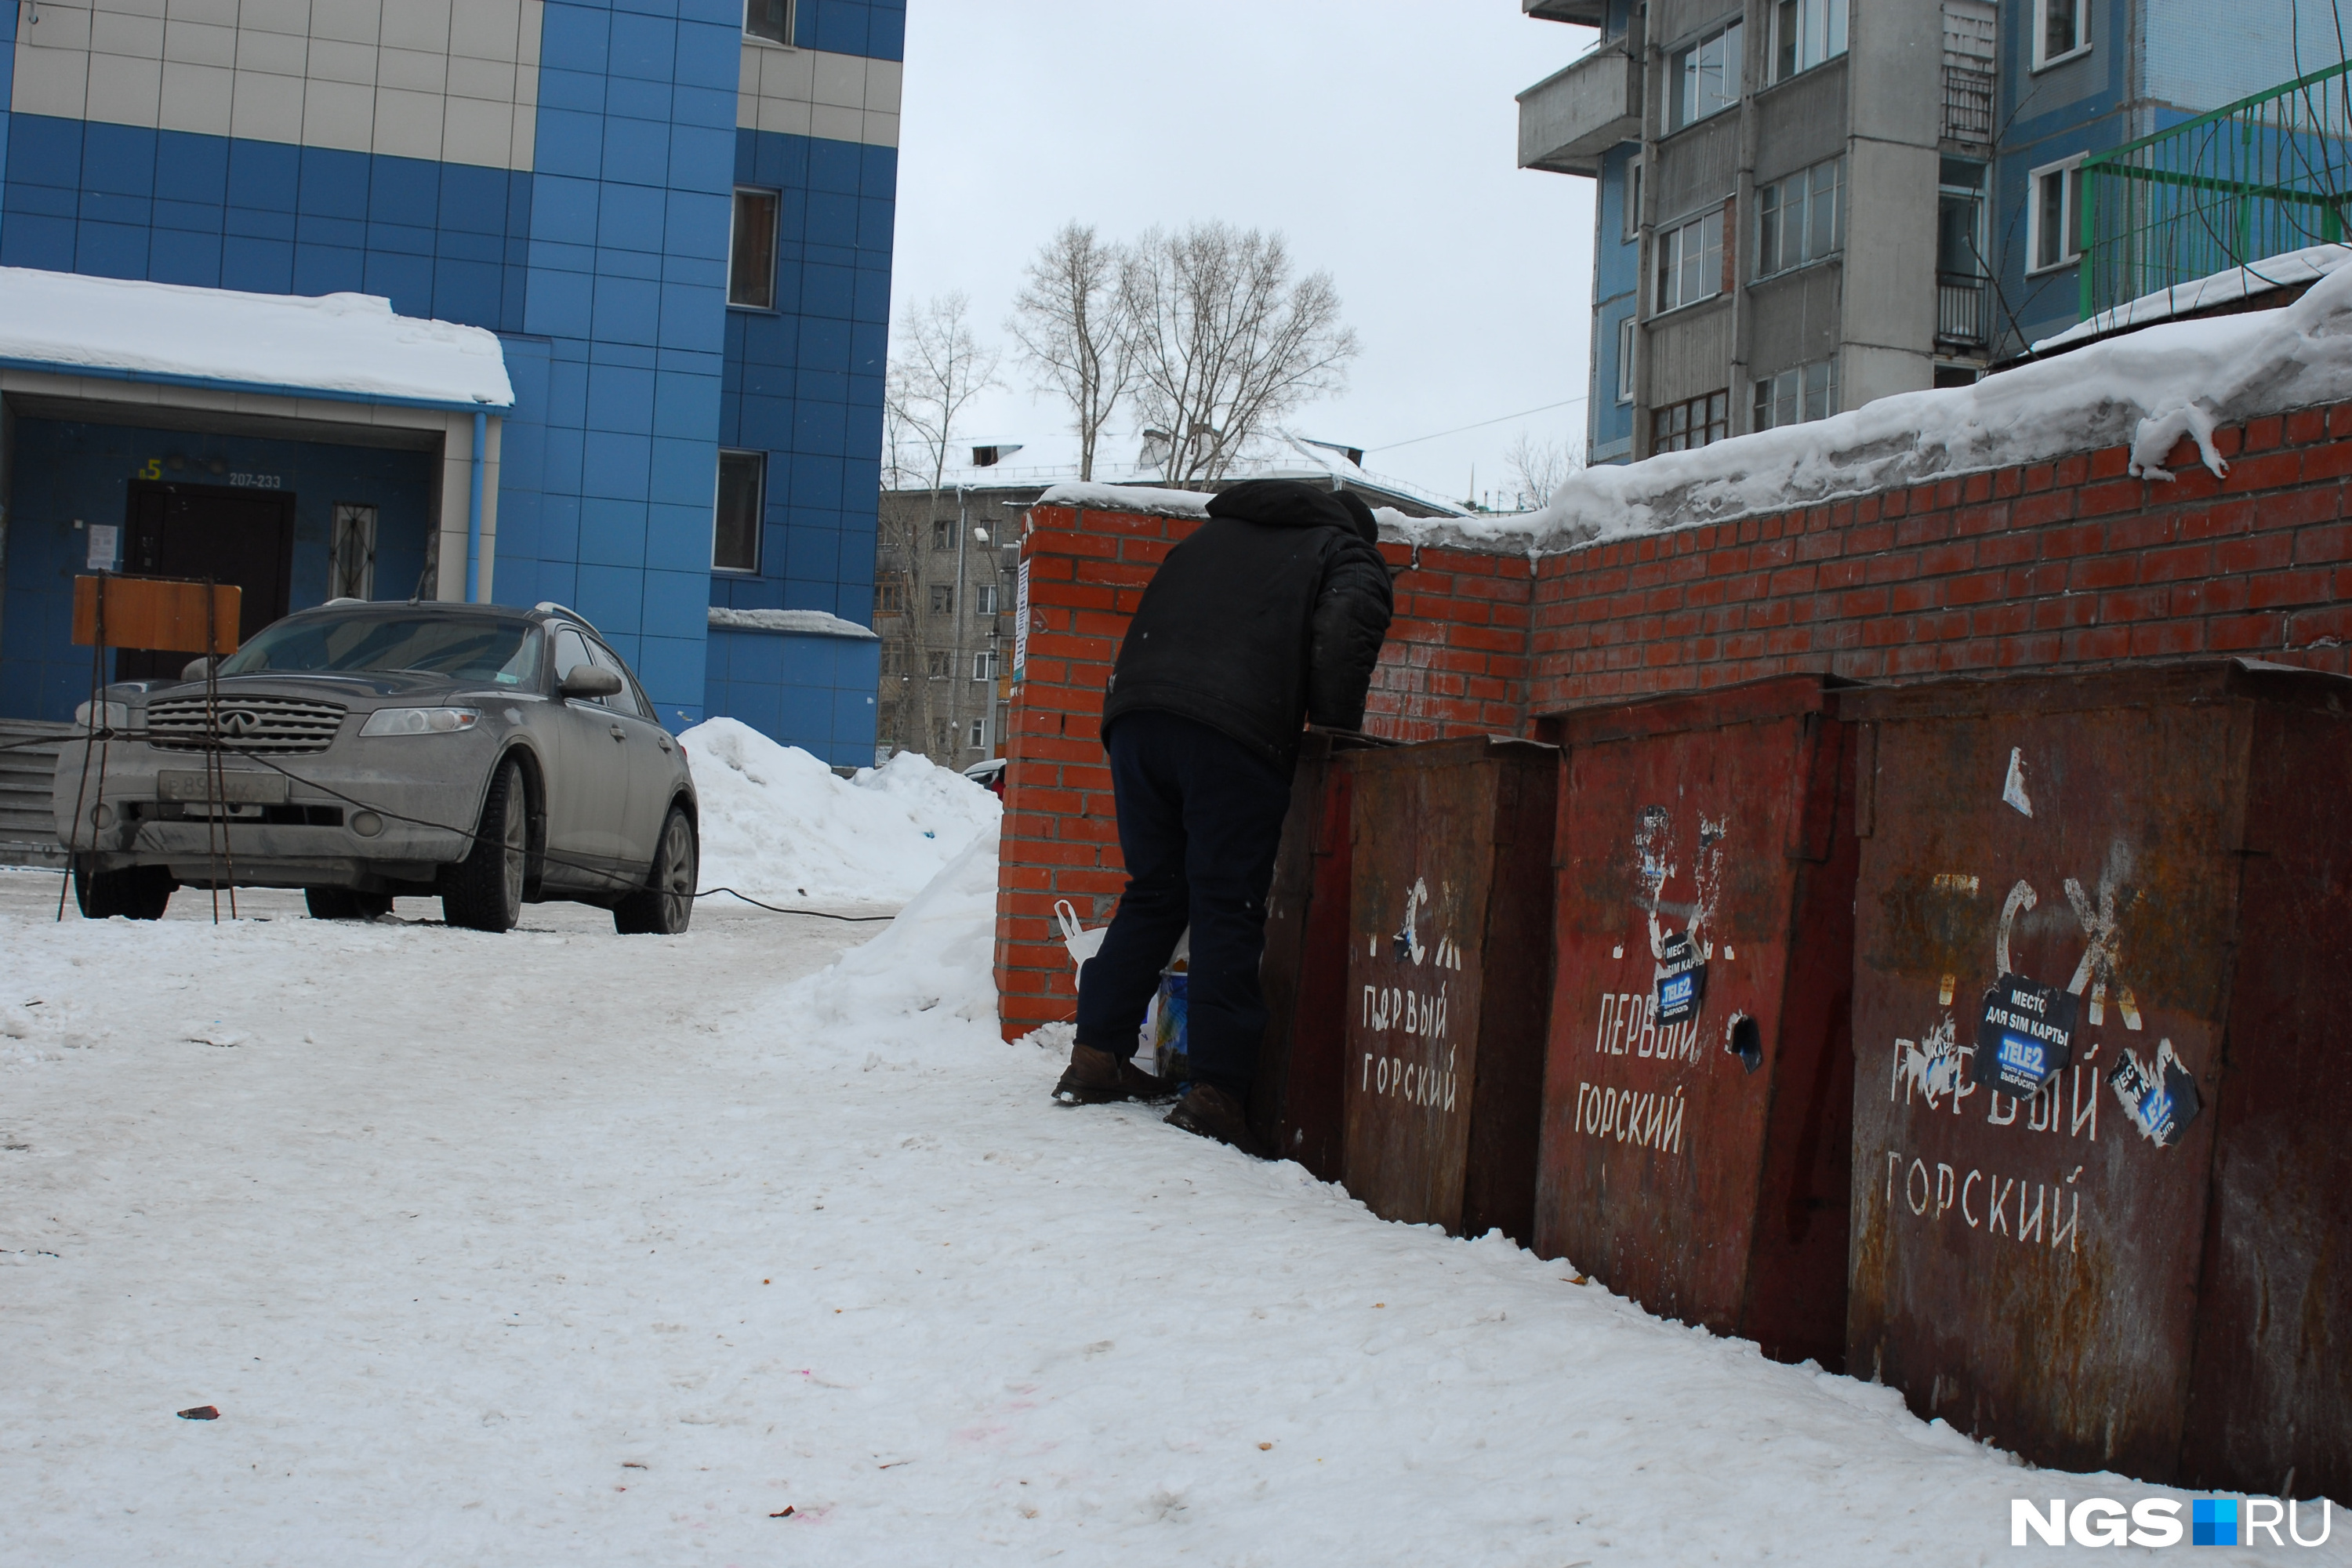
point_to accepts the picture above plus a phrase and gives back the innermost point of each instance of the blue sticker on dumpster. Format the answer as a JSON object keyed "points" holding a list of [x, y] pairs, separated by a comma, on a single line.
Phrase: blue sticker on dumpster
{"points": [[2161, 1097], [2026, 1036], [1682, 978]]}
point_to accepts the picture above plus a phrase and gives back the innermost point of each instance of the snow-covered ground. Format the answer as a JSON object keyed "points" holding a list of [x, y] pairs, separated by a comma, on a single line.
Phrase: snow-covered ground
{"points": [[563, 1248], [781, 827]]}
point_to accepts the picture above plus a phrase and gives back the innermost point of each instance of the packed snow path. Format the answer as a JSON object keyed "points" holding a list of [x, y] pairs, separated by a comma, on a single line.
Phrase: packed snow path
{"points": [[561, 1247]]}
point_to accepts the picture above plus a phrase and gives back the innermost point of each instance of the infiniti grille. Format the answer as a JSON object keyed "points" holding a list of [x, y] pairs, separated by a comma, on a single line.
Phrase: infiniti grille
{"points": [[278, 725]]}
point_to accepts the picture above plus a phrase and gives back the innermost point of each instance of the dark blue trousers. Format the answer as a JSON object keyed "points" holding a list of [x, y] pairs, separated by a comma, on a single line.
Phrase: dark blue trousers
{"points": [[1200, 818]]}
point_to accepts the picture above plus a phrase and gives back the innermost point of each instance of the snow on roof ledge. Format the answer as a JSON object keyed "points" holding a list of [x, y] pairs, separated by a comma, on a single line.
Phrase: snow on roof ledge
{"points": [[344, 346], [2144, 390], [808, 623], [2281, 271], [1128, 497]]}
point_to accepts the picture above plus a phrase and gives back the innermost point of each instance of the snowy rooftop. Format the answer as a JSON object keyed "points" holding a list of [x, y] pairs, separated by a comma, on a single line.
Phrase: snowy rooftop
{"points": [[339, 345], [2281, 271]]}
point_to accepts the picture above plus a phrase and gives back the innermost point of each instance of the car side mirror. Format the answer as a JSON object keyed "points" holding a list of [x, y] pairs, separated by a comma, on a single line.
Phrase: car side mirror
{"points": [[197, 668], [589, 681]]}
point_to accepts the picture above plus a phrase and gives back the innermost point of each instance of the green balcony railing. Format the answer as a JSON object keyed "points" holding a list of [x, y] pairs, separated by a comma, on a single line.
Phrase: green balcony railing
{"points": [[2265, 175]]}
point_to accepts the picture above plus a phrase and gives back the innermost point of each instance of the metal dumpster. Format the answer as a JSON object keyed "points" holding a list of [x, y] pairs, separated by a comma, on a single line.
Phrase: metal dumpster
{"points": [[1448, 968], [1295, 1099], [2100, 1194], [1698, 1080]]}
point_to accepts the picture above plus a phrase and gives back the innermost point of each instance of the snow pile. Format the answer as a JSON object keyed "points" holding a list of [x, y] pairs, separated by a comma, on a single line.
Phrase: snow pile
{"points": [[932, 964], [1128, 497], [334, 343], [2280, 271], [810, 623], [781, 827]]}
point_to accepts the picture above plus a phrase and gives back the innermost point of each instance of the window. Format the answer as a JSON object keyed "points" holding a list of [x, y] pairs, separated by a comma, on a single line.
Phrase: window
{"points": [[1634, 199], [1801, 218], [351, 569], [942, 600], [2060, 28], [752, 251], [572, 651], [984, 665], [735, 536], [1704, 79], [1690, 262], [943, 736], [1629, 333], [1701, 422], [938, 664], [987, 604], [1796, 395], [1959, 219], [1805, 34], [2054, 219], [768, 19], [894, 658], [980, 734], [889, 599], [943, 534], [629, 699]]}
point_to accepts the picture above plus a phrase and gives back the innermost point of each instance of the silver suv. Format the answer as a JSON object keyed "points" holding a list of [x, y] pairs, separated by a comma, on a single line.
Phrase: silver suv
{"points": [[495, 757]]}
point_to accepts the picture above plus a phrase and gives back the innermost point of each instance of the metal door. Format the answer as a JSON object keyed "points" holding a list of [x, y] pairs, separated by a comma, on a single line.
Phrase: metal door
{"points": [[197, 532]]}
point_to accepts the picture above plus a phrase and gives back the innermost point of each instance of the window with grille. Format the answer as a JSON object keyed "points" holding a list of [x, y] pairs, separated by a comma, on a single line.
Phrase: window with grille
{"points": [[1697, 421], [351, 572], [1801, 218], [1797, 395], [1704, 79], [735, 531], [752, 250], [1805, 33], [1690, 262]]}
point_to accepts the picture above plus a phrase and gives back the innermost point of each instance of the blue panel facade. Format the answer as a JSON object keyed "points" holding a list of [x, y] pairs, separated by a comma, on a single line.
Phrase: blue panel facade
{"points": [[1616, 296], [604, 270], [71, 475]]}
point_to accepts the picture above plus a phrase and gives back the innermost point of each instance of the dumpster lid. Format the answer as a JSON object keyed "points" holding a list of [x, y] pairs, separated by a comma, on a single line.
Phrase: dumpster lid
{"points": [[1748, 703], [1461, 751], [2139, 686]]}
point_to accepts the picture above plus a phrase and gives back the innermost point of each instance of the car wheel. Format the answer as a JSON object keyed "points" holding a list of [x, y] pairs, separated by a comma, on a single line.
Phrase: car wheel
{"points": [[136, 893], [484, 890], [666, 904], [344, 904]]}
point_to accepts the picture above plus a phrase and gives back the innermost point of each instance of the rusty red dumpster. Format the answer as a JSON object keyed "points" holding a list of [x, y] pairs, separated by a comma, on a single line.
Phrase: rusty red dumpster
{"points": [[2100, 1190], [1295, 1099], [1448, 969], [1698, 1077]]}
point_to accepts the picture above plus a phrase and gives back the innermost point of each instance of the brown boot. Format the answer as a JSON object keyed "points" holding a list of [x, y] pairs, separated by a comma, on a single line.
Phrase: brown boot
{"points": [[1212, 1112], [1098, 1077]]}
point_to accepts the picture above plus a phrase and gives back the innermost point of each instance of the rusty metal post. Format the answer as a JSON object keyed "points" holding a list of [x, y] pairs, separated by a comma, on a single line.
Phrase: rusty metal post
{"points": [[1449, 948], [1698, 1083], [2099, 1184]]}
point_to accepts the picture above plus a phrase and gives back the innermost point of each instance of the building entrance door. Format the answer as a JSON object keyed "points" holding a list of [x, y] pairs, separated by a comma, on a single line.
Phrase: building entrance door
{"points": [[245, 537]]}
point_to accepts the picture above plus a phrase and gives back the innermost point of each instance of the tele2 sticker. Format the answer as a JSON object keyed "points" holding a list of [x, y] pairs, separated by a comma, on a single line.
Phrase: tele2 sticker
{"points": [[2025, 1037]]}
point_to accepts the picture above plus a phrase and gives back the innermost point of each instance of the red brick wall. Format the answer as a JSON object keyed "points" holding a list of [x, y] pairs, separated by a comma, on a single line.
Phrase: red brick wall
{"points": [[1455, 663], [2031, 567], [2034, 567]]}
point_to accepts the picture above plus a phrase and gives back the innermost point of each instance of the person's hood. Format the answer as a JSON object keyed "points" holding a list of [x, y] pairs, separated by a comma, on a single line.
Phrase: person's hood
{"points": [[1368, 527], [1282, 503]]}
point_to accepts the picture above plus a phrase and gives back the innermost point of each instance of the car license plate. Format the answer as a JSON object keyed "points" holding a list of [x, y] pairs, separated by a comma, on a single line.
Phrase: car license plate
{"points": [[235, 787]]}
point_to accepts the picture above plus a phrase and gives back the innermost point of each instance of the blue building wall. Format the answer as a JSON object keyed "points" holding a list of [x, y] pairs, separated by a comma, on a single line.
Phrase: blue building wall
{"points": [[1616, 294], [70, 473], [604, 270]]}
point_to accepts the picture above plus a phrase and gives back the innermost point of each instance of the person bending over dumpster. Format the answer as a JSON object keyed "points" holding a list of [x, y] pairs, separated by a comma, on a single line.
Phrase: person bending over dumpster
{"points": [[1272, 613]]}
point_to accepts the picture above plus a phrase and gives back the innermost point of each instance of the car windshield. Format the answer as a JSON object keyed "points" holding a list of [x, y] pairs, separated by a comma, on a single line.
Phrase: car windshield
{"points": [[459, 647]]}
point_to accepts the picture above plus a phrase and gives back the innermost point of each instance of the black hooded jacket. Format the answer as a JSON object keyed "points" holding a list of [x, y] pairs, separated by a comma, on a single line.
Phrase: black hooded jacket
{"points": [[1271, 613]]}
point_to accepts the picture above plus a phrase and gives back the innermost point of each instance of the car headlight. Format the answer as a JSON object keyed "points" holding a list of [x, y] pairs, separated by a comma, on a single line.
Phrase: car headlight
{"points": [[421, 721], [112, 715]]}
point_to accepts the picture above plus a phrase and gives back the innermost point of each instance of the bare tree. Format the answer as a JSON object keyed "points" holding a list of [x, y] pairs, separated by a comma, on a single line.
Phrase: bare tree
{"points": [[1540, 467], [1070, 320], [1225, 343], [937, 368]]}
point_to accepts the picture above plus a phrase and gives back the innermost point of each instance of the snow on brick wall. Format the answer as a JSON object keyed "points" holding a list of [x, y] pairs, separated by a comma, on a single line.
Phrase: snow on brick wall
{"points": [[2066, 563]]}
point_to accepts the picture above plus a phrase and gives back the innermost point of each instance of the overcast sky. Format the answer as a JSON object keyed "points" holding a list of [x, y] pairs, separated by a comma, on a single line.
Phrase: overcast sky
{"points": [[1379, 136]]}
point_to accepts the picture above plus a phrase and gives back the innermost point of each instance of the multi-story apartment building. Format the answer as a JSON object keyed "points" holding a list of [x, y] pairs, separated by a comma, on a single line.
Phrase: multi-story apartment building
{"points": [[671, 225], [946, 574], [1805, 205]]}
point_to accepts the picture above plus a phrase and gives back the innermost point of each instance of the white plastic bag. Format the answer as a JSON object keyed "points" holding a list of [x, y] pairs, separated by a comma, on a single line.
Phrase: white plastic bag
{"points": [[1083, 943]]}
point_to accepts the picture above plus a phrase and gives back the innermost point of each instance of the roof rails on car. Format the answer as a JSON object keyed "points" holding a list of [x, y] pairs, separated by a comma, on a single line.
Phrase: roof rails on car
{"points": [[549, 607]]}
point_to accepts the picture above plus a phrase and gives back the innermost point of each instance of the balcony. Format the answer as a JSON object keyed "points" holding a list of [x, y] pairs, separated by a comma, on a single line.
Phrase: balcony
{"points": [[1968, 104], [1960, 311], [1567, 120], [1584, 13]]}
